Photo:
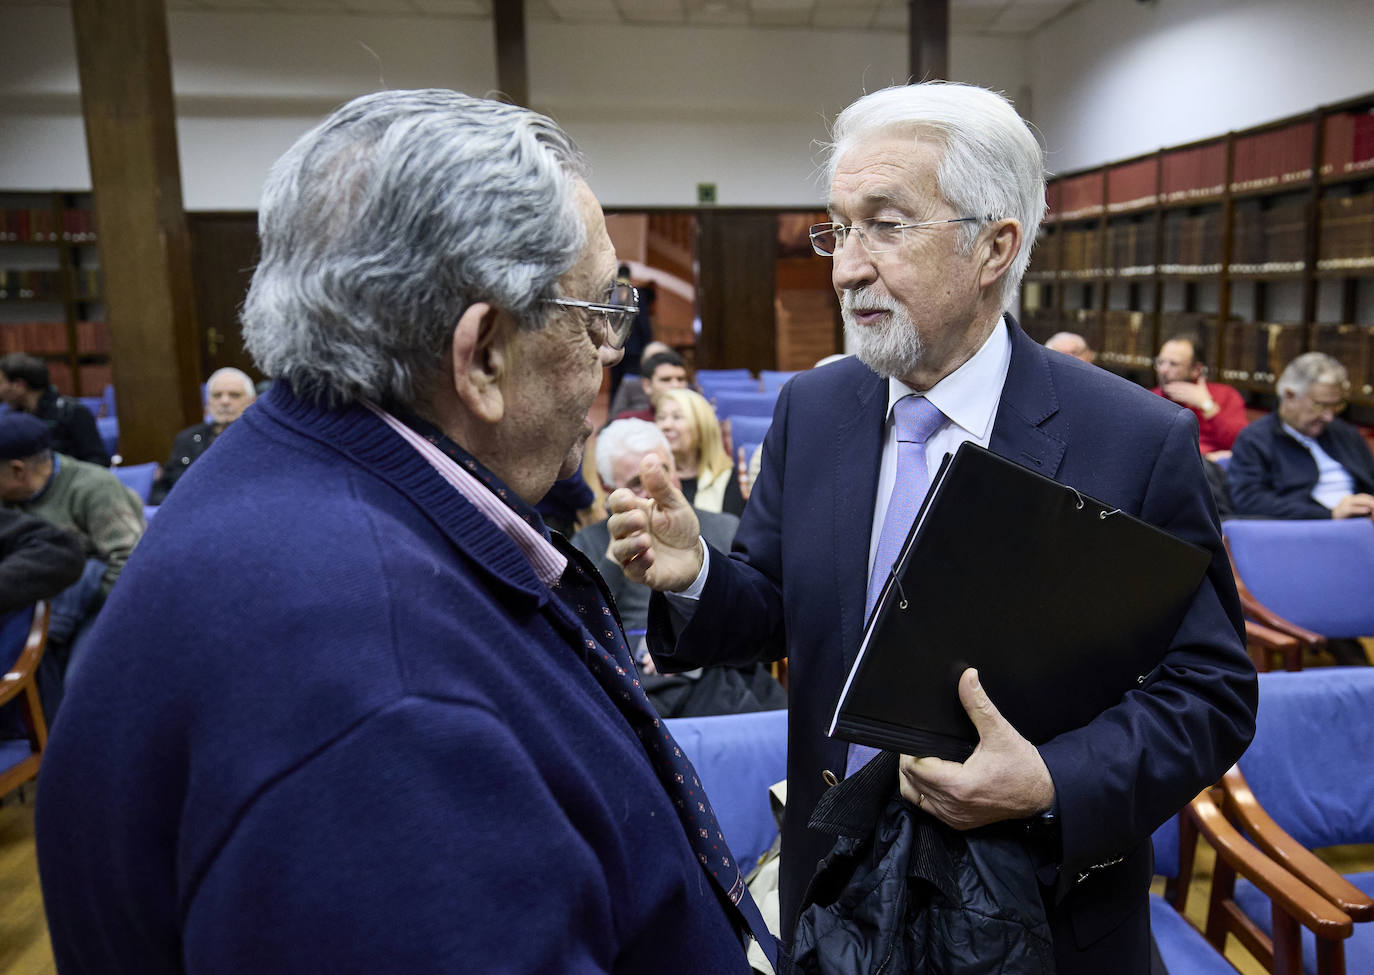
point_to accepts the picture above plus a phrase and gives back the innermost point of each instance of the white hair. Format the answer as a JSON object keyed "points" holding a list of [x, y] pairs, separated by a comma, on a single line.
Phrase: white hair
{"points": [[382, 224], [622, 437], [250, 390], [991, 165], [1309, 369]]}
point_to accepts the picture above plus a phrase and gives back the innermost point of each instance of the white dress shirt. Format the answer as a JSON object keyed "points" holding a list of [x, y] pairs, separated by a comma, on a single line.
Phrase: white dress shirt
{"points": [[1334, 483]]}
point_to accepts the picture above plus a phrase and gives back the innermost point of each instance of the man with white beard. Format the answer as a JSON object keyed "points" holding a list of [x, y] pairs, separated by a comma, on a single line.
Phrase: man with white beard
{"points": [[936, 191]]}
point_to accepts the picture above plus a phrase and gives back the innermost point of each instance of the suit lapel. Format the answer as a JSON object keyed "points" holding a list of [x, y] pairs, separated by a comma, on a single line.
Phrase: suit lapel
{"points": [[1028, 400], [857, 454]]}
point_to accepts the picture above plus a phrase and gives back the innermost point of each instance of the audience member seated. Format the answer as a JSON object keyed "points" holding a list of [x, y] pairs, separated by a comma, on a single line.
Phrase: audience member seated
{"points": [[228, 394], [631, 398], [83, 499], [1219, 409], [1303, 461], [26, 387], [620, 451], [1071, 343], [37, 560], [704, 468], [662, 371]]}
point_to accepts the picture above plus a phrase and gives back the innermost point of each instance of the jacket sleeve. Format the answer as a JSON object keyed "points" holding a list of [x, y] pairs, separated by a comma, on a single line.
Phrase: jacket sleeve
{"points": [[113, 520], [37, 560], [1123, 774], [376, 854], [86, 442], [1250, 477]]}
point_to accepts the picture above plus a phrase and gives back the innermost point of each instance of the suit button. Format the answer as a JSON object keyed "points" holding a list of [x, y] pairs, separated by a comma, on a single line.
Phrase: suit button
{"points": [[829, 777]]}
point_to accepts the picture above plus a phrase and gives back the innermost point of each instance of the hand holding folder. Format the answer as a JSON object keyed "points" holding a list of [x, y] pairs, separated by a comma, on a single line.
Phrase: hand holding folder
{"points": [[1062, 603]]}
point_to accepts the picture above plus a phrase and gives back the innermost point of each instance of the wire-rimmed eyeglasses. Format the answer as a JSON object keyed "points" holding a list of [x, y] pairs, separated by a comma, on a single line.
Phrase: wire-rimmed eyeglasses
{"points": [[877, 236], [617, 313]]}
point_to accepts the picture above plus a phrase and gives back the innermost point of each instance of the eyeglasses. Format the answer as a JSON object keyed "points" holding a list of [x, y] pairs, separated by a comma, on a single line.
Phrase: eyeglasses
{"points": [[1334, 407], [617, 313], [877, 236]]}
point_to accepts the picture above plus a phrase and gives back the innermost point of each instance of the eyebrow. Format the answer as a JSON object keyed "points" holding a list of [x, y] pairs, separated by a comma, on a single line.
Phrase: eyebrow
{"points": [[875, 201]]}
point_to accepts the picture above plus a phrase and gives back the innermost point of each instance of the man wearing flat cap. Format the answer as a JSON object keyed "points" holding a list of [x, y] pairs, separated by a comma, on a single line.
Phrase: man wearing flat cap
{"points": [[81, 498], [373, 716]]}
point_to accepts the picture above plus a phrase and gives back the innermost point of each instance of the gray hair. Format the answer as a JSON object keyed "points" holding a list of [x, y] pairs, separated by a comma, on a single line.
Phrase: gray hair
{"points": [[992, 164], [1310, 368], [628, 436], [250, 390], [382, 224]]}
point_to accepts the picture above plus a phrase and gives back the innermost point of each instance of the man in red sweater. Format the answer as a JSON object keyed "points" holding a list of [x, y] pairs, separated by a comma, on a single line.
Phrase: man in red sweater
{"points": [[1219, 409]]}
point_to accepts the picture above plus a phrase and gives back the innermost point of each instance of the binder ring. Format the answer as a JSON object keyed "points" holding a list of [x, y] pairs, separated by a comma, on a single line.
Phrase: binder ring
{"points": [[1079, 507], [897, 580], [1103, 515]]}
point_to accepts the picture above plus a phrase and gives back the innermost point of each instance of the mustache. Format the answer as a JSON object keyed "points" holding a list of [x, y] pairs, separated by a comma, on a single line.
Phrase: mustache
{"points": [[868, 299]]}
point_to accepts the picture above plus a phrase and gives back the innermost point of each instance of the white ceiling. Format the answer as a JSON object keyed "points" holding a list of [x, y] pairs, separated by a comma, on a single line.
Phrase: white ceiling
{"points": [[1016, 18]]}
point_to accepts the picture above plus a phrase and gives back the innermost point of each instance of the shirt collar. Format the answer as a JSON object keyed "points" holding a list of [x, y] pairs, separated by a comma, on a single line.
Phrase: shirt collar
{"points": [[969, 395], [488, 493]]}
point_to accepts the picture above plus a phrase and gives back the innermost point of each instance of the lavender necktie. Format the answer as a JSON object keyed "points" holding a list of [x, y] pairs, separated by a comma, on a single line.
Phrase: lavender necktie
{"points": [[916, 419]]}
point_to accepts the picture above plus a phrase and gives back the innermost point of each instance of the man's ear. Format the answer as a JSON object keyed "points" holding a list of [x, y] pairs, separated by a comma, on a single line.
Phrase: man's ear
{"points": [[1002, 247], [479, 359]]}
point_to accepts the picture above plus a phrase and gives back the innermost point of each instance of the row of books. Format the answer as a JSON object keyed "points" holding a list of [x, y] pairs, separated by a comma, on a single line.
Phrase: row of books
{"points": [[45, 284], [1267, 240], [1078, 196], [1274, 157], [1257, 351], [1078, 253], [46, 337], [1347, 143], [1194, 173], [44, 225], [1347, 232], [1353, 346], [1192, 243], [1133, 184], [94, 378]]}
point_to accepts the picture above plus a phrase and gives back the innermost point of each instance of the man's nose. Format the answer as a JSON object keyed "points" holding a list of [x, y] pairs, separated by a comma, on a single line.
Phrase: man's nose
{"points": [[852, 266]]}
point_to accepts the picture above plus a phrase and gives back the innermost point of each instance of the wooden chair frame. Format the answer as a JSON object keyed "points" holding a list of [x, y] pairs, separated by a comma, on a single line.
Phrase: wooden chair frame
{"points": [[21, 683], [1282, 953]]}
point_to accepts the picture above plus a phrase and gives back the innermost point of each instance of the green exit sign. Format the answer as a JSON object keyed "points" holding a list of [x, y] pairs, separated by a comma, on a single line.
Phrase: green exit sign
{"points": [[706, 193]]}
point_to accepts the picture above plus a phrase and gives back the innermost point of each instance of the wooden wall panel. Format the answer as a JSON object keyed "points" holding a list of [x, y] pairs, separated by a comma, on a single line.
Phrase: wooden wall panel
{"points": [[736, 260], [224, 251]]}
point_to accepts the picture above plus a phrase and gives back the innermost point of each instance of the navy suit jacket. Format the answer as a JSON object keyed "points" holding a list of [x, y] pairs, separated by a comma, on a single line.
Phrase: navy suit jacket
{"points": [[1272, 475], [794, 585]]}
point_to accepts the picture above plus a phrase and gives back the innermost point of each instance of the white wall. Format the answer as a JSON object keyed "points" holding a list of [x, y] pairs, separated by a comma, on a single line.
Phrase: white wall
{"points": [[1113, 79], [657, 110]]}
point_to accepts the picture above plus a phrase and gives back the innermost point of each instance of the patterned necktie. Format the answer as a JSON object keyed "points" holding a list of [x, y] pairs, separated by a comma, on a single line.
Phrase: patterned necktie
{"points": [[608, 656], [916, 419]]}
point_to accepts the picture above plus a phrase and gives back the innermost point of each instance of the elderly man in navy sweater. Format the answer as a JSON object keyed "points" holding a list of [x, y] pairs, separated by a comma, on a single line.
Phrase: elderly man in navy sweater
{"points": [[373, 716]]}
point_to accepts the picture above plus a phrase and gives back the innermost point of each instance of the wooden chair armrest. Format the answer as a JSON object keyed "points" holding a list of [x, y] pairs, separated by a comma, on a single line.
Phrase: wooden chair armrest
{"points": [[14, 681], [1263, 641], [1242, 806], [1256, 610], [1305, 905]]}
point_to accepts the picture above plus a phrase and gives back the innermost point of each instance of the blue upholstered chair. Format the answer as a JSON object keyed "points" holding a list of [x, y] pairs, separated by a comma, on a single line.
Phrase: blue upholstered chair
{"points": [[738, 757], [108, 398], [1311, 579], [725, 374], [773, 379], [746, 428], [23, 637], [733, 403], [108, 428], [1307, 781], [96, 404], [138, 477], [711, 388]]}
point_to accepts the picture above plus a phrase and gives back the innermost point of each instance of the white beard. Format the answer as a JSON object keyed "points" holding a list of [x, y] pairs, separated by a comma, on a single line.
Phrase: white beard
{"points": [[891, 349]]}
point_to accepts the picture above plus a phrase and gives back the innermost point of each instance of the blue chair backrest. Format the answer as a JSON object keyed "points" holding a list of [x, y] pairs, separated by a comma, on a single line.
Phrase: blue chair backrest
{"points": [[724, 374], [750, 429], [108, 428], [773, 379], [710, 387], [738, 756], [730, 403], [140, 477], [1318, 574], [93, 403], [1311, 764], [1165, 840], [14, 633], [109, 397]]}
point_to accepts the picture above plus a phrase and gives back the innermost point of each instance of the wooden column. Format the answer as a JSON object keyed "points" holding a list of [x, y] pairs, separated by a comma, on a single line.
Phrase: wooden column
{"points": [[512, 74], [927, 28], [736, 280], [126, 97]]}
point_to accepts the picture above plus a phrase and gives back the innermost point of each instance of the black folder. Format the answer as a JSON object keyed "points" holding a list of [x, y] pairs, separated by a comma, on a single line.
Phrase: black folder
{"points": [[1063, 603]]}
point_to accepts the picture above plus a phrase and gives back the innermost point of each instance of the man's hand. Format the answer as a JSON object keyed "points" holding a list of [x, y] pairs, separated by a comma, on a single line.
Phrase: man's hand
{"points": [[655, 540], [1354, 506], [1004, 778], [1192, 394]]}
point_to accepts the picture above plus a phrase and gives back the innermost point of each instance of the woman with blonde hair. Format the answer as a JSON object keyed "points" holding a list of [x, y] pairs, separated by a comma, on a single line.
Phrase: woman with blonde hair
{"points": [[704, 468]]}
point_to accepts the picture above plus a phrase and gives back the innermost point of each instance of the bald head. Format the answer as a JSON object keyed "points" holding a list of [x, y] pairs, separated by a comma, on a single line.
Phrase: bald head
{"points": [[1071, 343]]}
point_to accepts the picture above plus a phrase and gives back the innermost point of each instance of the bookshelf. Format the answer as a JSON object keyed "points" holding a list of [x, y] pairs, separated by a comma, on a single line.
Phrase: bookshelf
{"points": [[50, 287], [1261, 240]]}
